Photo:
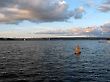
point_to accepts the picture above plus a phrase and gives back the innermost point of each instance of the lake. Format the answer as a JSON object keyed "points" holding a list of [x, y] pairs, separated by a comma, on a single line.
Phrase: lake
{"points": [[54, 61]]}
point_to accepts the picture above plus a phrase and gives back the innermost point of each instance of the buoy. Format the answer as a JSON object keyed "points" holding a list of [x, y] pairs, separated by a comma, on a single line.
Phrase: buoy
{"points": [[77, 50]]}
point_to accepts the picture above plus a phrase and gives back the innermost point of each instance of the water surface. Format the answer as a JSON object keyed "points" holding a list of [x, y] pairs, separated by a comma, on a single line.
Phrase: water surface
{"points": [[54, 61]]}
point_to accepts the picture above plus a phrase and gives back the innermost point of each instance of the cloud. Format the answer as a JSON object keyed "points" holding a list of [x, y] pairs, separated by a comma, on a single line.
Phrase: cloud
{"points": [[97, 31], [105, 7], [90, 3], [13, 11], [78, 12], [89, 31], [53, 32], [106, 27]]}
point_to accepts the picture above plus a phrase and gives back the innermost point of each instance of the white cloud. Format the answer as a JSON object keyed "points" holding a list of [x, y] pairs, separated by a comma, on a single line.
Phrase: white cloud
{"points": [[106, 27], [90, 3], [105, 7], [98, 31], [79, 12]]}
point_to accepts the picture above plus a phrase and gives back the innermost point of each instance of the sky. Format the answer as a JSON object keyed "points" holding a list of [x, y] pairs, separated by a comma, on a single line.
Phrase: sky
{"points": [[54, 18]]}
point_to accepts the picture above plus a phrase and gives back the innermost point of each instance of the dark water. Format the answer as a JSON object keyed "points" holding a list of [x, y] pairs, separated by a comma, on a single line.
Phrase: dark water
{"points": [[54, 61]]}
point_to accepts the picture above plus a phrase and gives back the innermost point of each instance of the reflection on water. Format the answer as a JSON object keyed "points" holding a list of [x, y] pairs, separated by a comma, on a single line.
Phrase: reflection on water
{"points": [[54, 61]]}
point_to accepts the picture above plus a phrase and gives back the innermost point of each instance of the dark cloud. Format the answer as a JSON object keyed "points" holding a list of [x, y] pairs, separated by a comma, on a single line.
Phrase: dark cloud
{"points": [[12, 11], [6, 3]]}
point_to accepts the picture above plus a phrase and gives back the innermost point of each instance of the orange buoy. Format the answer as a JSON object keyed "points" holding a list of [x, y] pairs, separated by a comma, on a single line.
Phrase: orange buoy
{"points": [[77, 50]]}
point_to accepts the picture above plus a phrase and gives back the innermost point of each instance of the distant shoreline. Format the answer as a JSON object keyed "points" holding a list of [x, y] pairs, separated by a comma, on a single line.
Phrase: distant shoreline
{"points": [[56, 38]]}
